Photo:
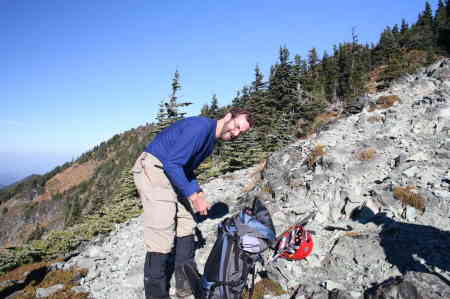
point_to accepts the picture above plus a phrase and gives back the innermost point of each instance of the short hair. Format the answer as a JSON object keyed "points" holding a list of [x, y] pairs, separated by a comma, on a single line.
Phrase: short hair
{"points": [[236, 111]]}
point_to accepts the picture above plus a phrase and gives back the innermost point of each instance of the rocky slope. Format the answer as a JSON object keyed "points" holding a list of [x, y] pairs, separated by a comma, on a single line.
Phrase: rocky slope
{"points": [[379, 181]]}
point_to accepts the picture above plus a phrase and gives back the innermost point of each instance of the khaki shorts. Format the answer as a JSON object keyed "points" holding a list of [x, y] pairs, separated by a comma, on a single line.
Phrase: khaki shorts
{"points": [[165, 214]]}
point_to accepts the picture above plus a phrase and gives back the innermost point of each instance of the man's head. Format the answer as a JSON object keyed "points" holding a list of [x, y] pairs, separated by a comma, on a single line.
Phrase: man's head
{"points": [[234, 123]]}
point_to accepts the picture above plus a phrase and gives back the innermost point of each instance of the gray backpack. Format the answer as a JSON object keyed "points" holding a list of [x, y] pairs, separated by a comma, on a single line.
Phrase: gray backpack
{"points": [[240, 241]]}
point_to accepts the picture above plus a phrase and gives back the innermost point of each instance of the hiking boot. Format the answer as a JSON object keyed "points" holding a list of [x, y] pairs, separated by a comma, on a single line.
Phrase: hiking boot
{"points": [[182, 286]]}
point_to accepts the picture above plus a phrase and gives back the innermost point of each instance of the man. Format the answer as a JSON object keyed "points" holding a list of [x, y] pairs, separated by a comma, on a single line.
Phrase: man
{"points": [[164, 177]]}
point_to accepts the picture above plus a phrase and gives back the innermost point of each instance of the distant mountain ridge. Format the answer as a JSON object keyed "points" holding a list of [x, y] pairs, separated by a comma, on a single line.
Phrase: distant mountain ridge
{"points": [[39, 204], [7, 179]]}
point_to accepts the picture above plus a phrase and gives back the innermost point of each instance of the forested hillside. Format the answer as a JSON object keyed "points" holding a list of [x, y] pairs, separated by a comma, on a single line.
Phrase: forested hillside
{"points": [[52, 214]]}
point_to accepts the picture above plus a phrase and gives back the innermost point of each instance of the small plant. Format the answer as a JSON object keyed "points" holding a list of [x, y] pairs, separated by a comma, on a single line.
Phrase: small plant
{"points": [[265, 287], [268, 189], [366, 154], [315, 155], [296, 183], [321, 120], [375, 118], [68, 278], [407, 197], [384, 102], [29, 209], [57, 196]]}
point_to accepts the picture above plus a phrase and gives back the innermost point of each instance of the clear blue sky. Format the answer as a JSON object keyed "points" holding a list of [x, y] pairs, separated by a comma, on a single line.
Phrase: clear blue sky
{"points": [[74, 73]]}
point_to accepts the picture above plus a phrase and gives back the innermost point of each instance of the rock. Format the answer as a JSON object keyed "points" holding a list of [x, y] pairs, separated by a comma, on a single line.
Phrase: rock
{"points": [[16, 295], [419, 156], [95, 252], [42, 293], [332, 285], [410, 286], [411, 172], [57, 266], [78, 289]]}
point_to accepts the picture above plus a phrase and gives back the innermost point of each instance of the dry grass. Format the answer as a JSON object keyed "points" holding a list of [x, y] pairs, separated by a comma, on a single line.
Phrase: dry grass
{"points": [[374, 78], [265, 287], [407, 197], [321, 120], [58, 277], [375, 118], [67, 278], [19, 273], [69, 178], [365, 154], [296, 183], [315, 154], [266, 188], [384, 102], [352, 234]]}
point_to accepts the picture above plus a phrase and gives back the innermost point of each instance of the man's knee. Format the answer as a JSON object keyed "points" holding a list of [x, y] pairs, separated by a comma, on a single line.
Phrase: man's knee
{"points": [[185, 249]]}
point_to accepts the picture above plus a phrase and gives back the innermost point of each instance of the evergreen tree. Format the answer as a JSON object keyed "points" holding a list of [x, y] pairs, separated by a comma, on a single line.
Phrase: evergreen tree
{"points": [[237, 101], [330, 74], [169, 109], [214, 107], [404, 40], [311, 81], [205, 110], [422, 35], [282, 84], [258, 84], [442, 28]]}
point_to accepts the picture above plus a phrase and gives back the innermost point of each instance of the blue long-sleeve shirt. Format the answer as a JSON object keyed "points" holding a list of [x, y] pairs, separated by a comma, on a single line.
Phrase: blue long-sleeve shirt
{"points": [[181, 148]]}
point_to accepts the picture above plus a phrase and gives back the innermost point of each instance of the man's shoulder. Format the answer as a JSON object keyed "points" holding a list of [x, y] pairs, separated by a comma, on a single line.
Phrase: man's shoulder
{"points": [[198, 121]]}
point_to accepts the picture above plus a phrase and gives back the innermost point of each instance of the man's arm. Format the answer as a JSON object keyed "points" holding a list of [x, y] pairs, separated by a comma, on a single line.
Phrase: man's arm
{"points": [[199, 203], [180, 153]]}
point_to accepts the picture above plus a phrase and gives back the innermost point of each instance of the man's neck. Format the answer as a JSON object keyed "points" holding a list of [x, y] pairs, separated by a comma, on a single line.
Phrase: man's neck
{"points": [[219, 127]]}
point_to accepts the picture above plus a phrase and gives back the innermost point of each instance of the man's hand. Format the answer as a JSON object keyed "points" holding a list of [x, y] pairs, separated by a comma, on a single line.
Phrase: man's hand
{"points": [[199, 203]]}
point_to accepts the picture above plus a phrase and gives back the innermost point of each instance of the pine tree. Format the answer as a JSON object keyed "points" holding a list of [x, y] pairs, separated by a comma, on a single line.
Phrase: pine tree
{"points": [[423, 37], [442, 28], [258, 84], [237, 101], [311, 81], [214, 107], [330, 74], [404, 40], [205, 110], [283, 83], [169, 109]]}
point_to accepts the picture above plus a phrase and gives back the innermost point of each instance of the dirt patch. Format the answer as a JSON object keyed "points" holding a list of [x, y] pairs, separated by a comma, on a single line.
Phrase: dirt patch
{"points": [[68, 178]]}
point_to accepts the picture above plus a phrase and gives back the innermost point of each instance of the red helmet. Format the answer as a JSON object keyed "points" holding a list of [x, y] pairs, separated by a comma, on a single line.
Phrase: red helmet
{"points": [[295, 244]]}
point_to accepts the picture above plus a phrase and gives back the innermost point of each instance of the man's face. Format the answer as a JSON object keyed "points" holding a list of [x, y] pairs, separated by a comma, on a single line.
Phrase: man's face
{"points": [[234, 127]]}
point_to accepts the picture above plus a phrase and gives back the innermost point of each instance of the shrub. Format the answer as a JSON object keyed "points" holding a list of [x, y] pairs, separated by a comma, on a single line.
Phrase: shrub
{"points": [[366, 154], [315, 154], [384, 102], [375, 118], [321, 120], [407, 197], [29, 209], [57, 196], [265, 287]]}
